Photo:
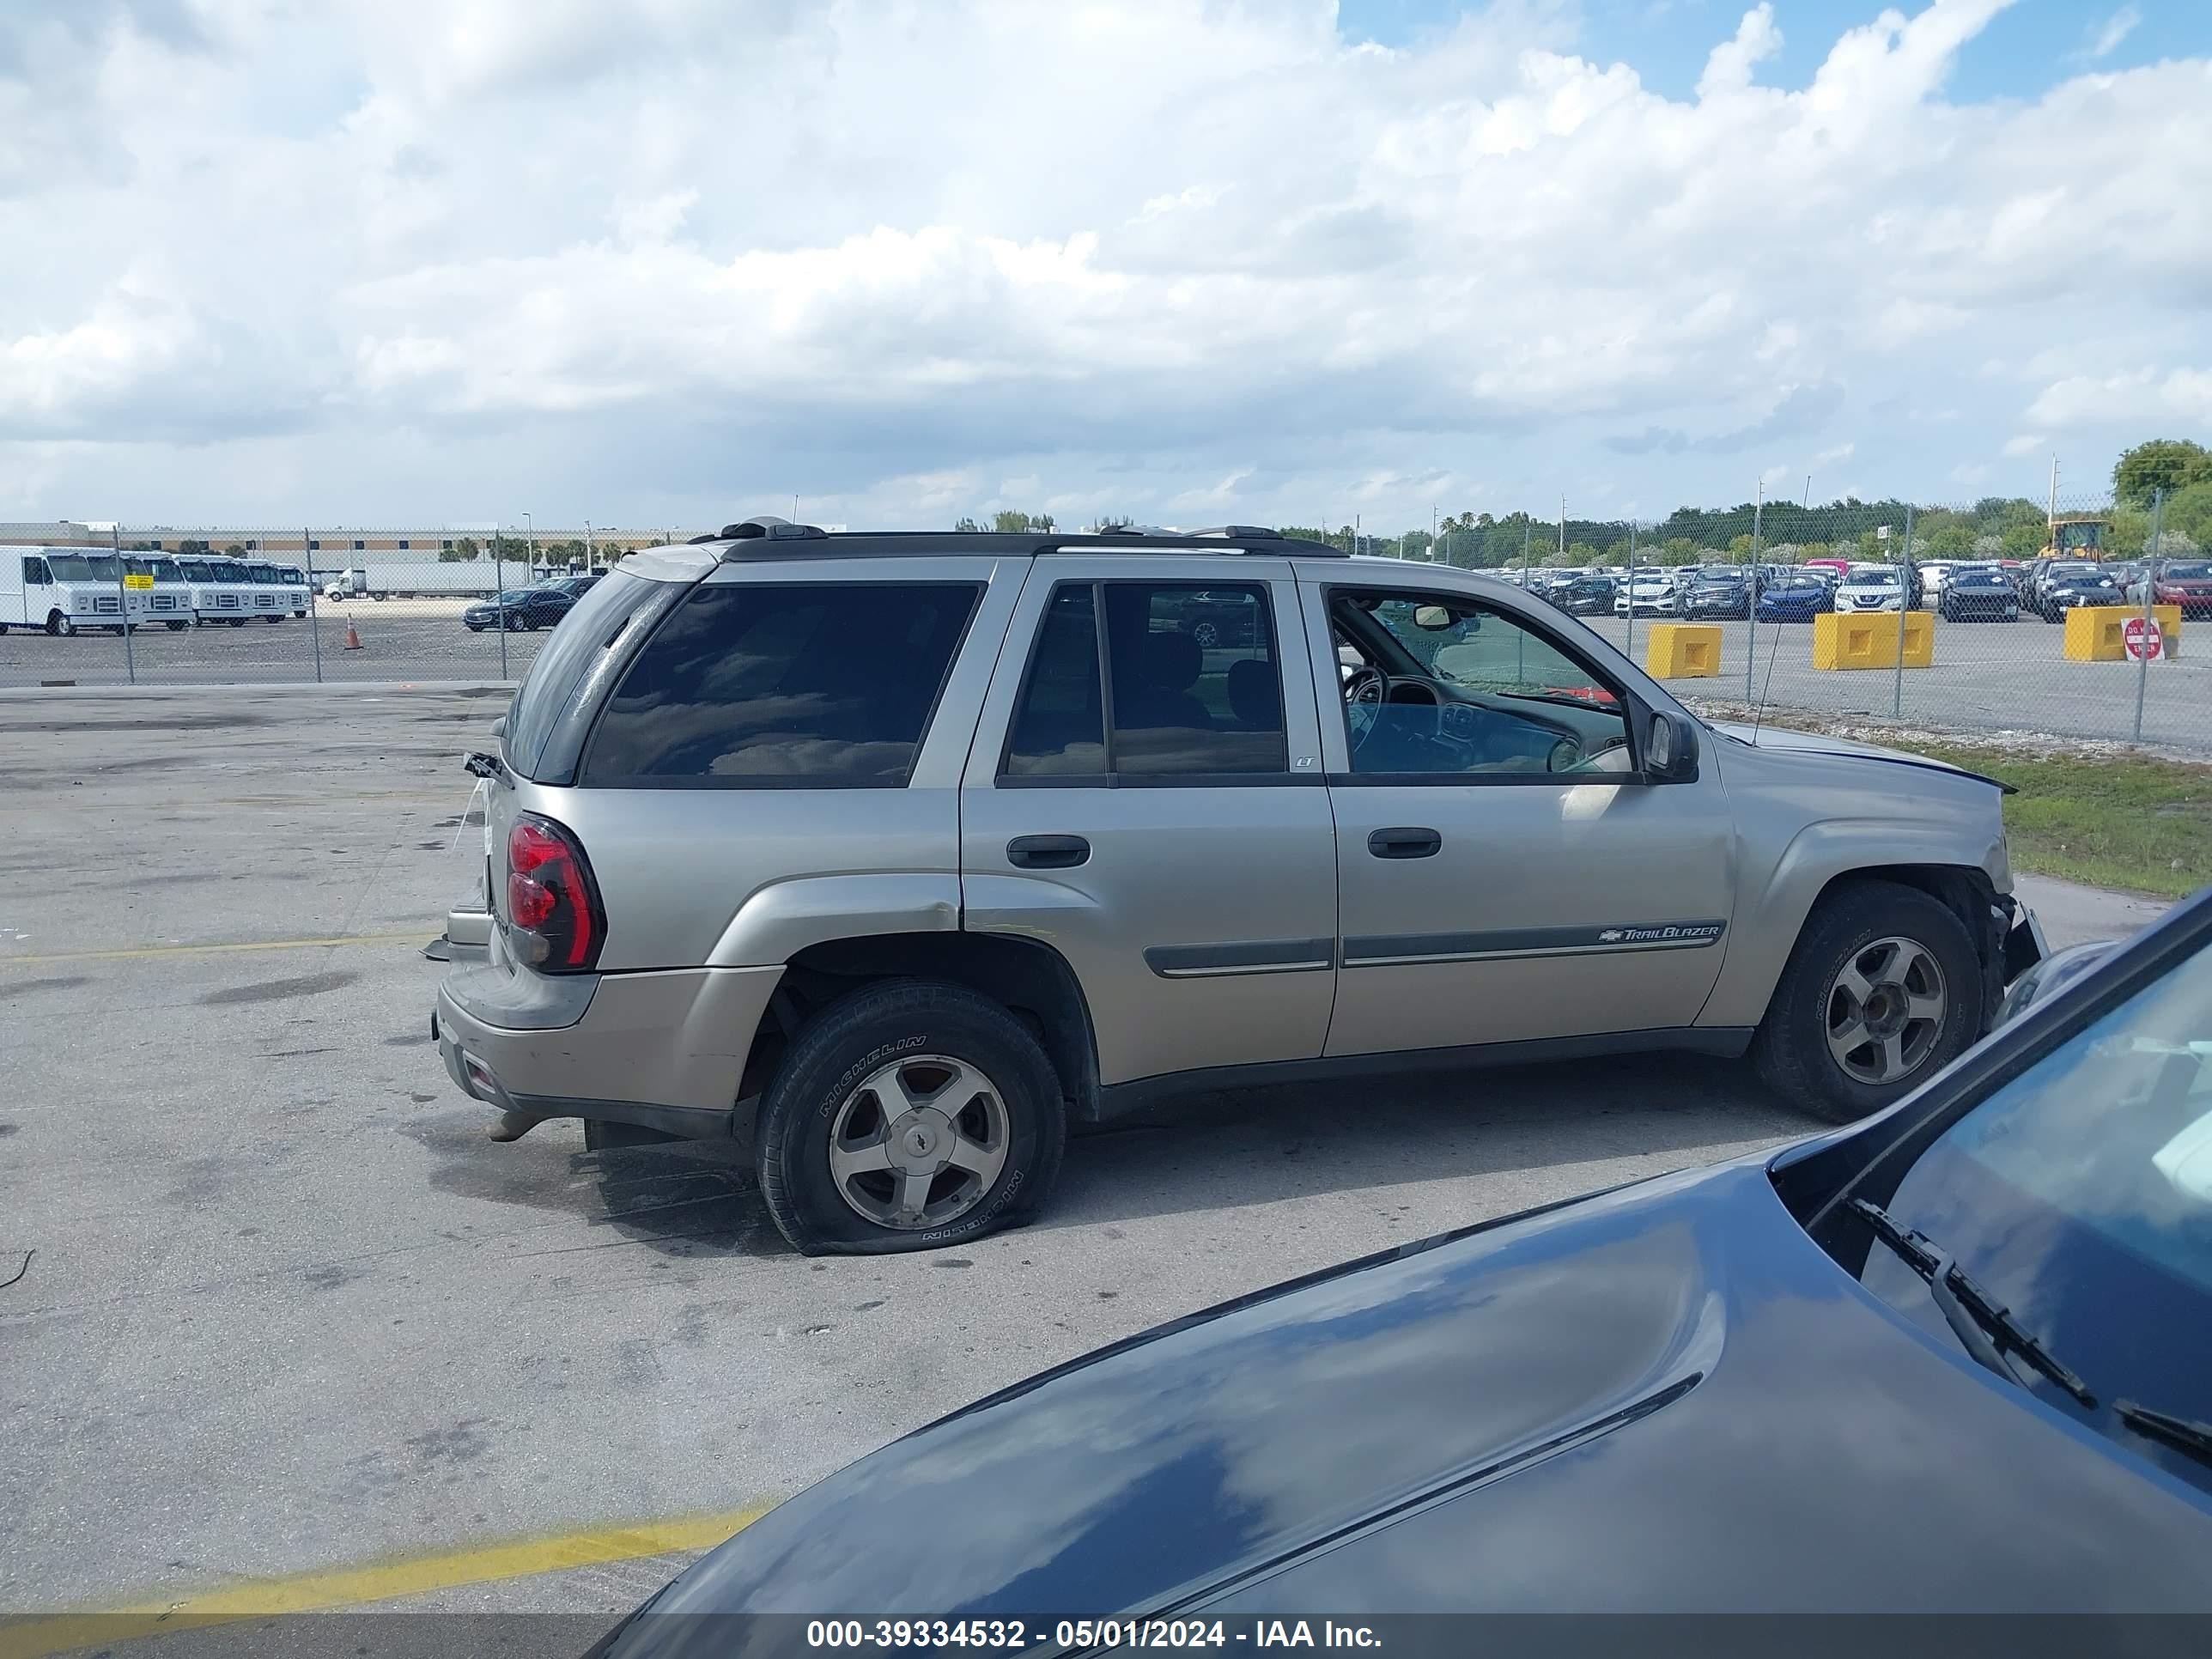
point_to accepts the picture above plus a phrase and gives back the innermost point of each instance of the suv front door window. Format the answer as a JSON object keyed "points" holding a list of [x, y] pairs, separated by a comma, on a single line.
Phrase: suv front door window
{"points": [[1503, 873], [1486, 694]]}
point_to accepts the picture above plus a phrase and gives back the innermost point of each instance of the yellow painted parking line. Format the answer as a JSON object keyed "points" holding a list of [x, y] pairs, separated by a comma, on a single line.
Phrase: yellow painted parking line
{"points": [[380, 1581], [142, 951]]}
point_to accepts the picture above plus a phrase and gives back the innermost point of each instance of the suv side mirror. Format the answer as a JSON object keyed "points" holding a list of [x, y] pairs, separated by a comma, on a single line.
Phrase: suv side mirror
{"points": [[1670, 749]]}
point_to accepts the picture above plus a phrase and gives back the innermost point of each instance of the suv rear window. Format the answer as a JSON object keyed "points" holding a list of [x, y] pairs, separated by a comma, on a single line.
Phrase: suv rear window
{"points": [[753, 685]]}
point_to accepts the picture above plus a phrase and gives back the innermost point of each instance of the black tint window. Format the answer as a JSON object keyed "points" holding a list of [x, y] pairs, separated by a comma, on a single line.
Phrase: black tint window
{"points": [[1195, 684], [34, 571], [1060, 728], [554, 679], [821, 685], [1196, 688]]}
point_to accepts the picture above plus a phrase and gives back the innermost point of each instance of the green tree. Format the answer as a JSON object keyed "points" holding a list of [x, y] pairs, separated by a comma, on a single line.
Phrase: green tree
{"points": [[1674, 550], [514, 549], [2025, 541], [1739, 549], [235, 550], [1945, 541], [2190, 512], [1582, 553], [192, 547], [2167, 463], [964, 525], [1009, 523], [461, 552], [2129, 533]]}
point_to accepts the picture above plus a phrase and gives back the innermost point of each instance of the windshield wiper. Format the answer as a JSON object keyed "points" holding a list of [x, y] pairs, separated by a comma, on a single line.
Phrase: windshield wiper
{"points": [[1987, 1329], [2183, 1434]]}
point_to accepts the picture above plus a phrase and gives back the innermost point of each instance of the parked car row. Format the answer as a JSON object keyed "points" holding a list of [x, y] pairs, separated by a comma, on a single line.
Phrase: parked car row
{"points": [[69, 590], [1957, 589]]}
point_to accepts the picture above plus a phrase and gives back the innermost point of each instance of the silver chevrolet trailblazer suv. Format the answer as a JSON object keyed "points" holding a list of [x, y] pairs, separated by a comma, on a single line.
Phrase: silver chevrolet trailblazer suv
{"points": [[894, 856]]}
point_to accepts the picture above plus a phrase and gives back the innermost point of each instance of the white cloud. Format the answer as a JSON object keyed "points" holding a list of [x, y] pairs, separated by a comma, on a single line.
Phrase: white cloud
{"points": [[1729, 69], [2027, 443], [2113, 30], [2149, 398], [677, 258]]}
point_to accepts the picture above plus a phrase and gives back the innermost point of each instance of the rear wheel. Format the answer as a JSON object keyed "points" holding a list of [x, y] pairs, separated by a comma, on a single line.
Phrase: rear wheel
{"points": [[1883, 990], [908, 1116]]}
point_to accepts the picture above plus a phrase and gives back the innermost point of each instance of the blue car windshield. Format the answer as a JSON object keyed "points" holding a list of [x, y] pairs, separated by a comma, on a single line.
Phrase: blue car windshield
{"points": [[2080, 1195]]}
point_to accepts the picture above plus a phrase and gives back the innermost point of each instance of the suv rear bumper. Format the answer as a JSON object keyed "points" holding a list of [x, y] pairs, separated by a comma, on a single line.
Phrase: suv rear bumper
{"points": [[665, 1051]]}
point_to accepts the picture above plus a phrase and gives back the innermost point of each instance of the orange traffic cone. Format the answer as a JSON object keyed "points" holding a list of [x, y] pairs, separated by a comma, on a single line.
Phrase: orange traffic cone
{"points": [[353, 635]]}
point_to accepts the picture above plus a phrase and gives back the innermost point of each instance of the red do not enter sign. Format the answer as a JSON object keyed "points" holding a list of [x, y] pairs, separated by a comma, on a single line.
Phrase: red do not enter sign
{"points": [[2143, 639]]}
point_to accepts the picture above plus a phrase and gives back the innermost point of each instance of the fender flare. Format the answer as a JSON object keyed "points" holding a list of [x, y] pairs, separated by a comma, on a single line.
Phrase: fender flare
{"points": [[1815, 858]]}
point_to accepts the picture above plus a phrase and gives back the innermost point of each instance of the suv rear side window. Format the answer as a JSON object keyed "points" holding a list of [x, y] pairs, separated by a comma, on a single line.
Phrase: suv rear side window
{"points": [[759, 685], [549, 691], [1196, 690]]}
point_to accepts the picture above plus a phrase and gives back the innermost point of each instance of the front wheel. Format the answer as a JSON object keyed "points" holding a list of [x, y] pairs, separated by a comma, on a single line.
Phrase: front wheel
{"points": [[59, 625], [1883, 990], [908, 1115]]}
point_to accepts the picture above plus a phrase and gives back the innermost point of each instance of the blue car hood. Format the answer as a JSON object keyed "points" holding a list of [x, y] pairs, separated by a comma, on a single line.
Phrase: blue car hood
{"points": [[1662, 1397]]}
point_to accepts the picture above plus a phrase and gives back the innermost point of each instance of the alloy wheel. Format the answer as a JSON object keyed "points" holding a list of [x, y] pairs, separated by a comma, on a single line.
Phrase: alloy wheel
{"points": [[1884, 1011], [919, 1143]]}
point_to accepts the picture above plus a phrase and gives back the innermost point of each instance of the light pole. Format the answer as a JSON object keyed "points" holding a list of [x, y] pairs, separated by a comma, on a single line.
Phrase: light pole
{"points": [[530, 534]]}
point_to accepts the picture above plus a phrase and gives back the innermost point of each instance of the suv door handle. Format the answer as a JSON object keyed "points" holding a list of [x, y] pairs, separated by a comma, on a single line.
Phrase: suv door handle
{"points": [[1404, 843], [1047, 852]]}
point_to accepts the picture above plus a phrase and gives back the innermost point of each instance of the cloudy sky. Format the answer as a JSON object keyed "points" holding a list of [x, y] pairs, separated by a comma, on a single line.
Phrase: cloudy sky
{"points": [[654, 262]]}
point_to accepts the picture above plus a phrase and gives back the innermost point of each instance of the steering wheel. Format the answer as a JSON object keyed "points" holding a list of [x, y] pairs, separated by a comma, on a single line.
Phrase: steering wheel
{"points": [[1363, 702]]}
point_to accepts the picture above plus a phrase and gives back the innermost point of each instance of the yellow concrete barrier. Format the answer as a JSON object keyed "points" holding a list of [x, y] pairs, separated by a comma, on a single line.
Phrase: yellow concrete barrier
{"points": [[1869, 640], [2097, 633], [1683, 651]]}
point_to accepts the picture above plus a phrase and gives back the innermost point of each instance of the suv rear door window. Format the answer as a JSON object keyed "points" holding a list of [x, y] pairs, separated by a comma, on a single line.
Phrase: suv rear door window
{"points": [[1196, 689], [814, 686]]}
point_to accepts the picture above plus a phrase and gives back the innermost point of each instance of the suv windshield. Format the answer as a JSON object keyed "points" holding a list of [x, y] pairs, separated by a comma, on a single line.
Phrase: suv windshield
{"points": [[2079, 1195], [225, 570], [265, 574], [162, 570], [2188, 572], [1877, 577]]}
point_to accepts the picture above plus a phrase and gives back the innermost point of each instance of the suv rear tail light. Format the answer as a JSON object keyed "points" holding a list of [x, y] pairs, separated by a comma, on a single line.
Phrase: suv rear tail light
{"points": [[554, 923]]}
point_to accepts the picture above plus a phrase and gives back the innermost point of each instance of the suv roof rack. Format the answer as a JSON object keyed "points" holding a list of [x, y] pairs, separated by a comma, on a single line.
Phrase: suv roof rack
{"points": [[767, 538]]}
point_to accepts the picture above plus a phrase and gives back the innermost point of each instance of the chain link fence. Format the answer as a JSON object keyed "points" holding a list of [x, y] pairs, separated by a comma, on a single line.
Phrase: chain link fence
{"points": [[2015, 614], [268, 605]]}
